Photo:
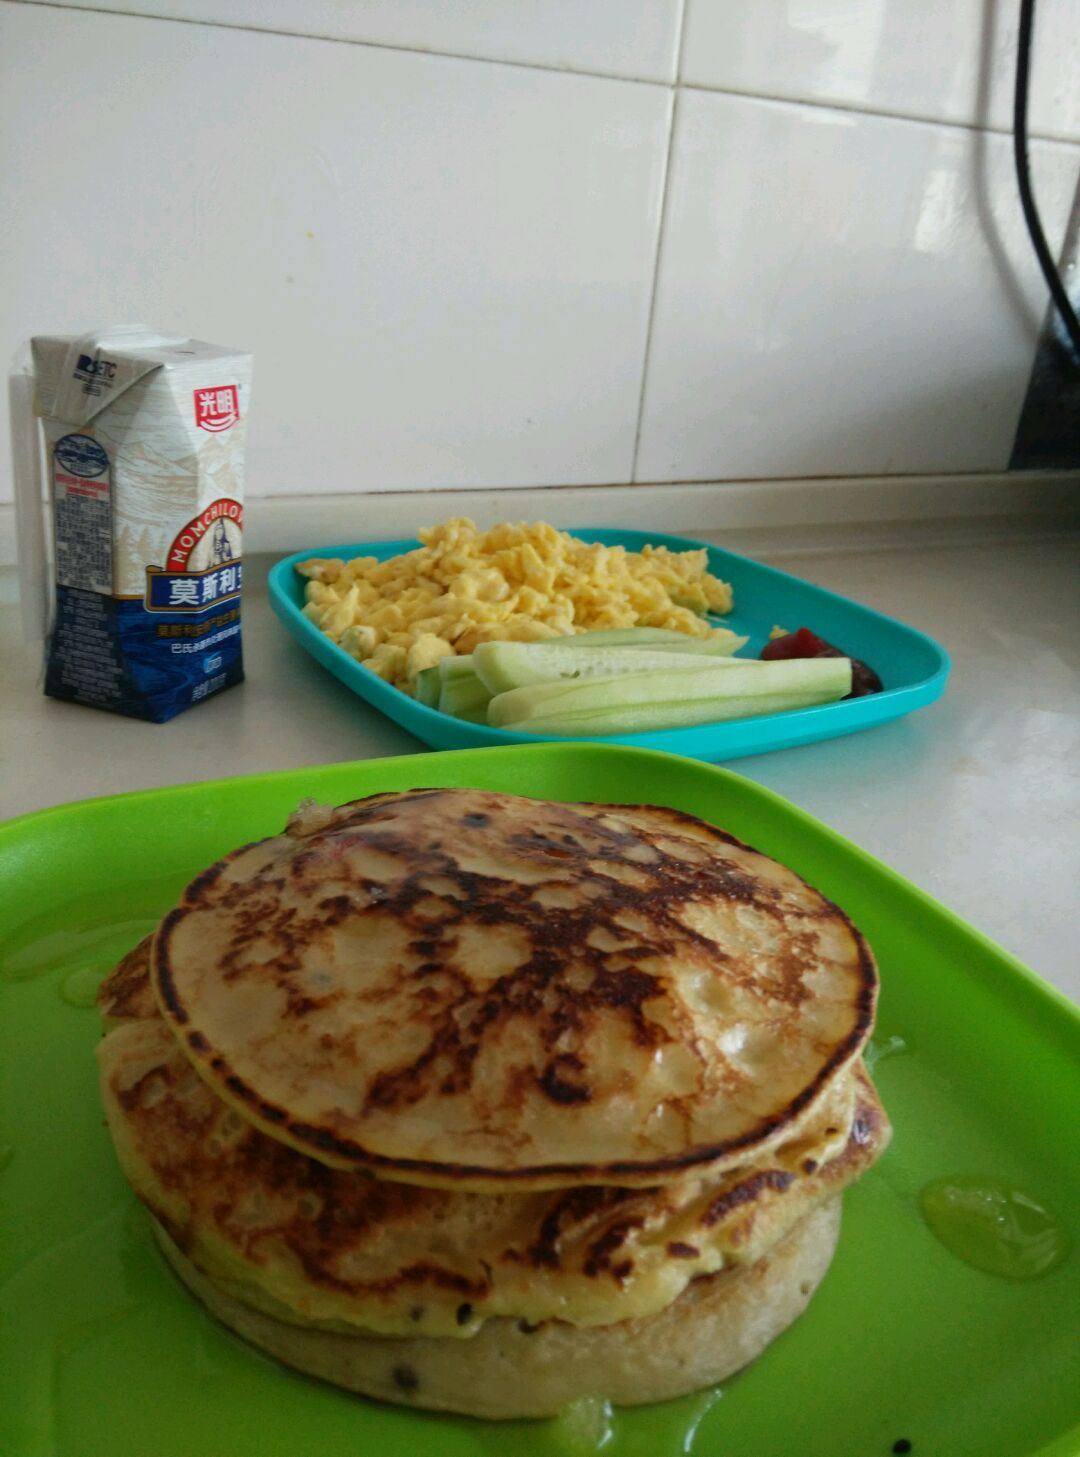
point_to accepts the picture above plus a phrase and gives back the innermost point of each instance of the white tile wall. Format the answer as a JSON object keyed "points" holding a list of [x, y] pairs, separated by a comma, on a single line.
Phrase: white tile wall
{"points": [[635, 38], [444, 268], [451, 270], [840, 294], [945, 60]]}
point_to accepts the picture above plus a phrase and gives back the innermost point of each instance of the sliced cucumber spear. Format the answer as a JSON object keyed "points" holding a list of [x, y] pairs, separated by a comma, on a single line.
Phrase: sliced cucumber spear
{"points": [[452, 687], [460, 686], [501, 666], [722, 643], [427, 685], [674, 698], [465, 698], [461, 693], [457, 666]]}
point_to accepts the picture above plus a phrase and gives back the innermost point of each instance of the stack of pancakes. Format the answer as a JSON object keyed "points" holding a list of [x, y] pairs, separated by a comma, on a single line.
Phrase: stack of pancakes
{"points": [[484, 1104]]}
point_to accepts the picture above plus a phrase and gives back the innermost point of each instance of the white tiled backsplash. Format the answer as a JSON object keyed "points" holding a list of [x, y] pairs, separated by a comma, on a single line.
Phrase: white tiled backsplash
{"points": [[509, 243]]}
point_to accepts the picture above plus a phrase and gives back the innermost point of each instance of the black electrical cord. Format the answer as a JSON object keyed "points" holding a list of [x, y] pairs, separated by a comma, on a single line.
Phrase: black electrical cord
{"points": [[1023, 178]]}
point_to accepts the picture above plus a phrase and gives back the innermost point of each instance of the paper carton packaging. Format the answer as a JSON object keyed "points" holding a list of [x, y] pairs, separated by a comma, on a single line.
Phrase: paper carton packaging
{"points": [[144, 440]]}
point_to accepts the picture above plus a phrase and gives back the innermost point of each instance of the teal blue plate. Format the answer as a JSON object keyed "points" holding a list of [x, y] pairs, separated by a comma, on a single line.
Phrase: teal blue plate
{"points": [[911, 665]]}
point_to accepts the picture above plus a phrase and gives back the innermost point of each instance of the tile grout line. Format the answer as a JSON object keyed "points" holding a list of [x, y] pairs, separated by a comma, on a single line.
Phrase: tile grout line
{"points": [[846, 107], [346, 40], [661, 234]]}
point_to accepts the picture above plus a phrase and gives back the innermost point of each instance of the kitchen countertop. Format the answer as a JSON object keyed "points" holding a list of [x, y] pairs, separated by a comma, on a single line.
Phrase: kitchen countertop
{"points": [[975, 799]]}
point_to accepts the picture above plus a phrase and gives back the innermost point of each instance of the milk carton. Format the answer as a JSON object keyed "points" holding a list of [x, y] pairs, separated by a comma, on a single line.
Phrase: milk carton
{"points": [[144, 457]]}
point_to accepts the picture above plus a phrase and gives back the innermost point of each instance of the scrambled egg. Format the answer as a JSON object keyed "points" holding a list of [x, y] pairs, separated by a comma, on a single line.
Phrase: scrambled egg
{"points": [[515, 582]]}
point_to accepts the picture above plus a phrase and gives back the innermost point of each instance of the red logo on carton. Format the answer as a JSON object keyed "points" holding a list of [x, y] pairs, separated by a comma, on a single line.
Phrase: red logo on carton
{"points": [[217, 409]]}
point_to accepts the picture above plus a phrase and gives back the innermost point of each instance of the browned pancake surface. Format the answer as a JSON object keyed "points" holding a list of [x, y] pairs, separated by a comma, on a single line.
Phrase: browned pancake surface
{"points": [[344, 1249], [477, 990]]}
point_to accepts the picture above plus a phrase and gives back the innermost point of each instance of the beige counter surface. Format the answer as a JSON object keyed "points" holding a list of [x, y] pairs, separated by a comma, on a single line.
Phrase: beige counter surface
{"points": [[976, 799]]}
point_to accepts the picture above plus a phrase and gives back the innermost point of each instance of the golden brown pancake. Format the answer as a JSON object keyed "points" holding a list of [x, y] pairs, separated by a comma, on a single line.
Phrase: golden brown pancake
{"points": [[126, 993], [511, 1369], [479, 991], [483, 1104], [343, 1249]]}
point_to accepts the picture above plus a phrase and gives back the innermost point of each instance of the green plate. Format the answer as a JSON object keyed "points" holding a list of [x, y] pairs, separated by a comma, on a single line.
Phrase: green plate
{"points": [[102, 1354]]}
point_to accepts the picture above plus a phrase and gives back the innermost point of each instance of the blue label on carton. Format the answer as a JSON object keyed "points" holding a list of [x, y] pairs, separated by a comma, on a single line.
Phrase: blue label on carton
{"points": [[155, 656], [172, 591], [117, 654]]}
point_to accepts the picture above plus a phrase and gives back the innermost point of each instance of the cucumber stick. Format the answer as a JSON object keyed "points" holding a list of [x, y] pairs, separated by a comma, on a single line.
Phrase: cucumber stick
{"points": [[505, 665], [721, 644], [427, 685], [452, 687], [465, 700], [673, 698], [455, 666], [650, 718], [623, 636], [430, 682], [461, 693]]}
